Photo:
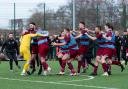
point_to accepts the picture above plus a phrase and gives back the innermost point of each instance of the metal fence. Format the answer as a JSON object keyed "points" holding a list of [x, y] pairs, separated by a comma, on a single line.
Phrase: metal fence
{"points": [[54, 17], [14, 17]]}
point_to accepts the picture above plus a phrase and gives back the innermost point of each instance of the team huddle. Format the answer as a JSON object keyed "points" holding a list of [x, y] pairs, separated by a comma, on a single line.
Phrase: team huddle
{"points": [[71, 45]]}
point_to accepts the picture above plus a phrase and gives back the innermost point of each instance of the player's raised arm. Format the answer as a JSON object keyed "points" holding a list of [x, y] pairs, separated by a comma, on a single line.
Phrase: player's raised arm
{"points": [[60, 38], [78, 36], [90, 31], [58, 44], [91, 37], [40, 33]]}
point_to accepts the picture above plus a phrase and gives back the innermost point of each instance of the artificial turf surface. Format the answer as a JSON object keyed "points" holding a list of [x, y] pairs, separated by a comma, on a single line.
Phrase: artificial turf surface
{"points": [[13, 80]]}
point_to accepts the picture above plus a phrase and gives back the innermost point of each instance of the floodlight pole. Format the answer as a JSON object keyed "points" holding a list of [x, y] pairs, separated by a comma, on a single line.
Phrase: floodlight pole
{"points": [[14, 24], [44, 17], [97, 12], [74, 21]]}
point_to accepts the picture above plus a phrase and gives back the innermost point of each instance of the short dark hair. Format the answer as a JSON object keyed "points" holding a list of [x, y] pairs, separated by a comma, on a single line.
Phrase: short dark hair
{"points": [[32, 23], [82, 22], [10, 33], [67, 29], [109, 26], [99, 27]]}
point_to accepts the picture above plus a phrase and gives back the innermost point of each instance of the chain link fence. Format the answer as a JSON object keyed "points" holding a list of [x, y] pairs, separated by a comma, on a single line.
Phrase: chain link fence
{"points": [[55, 17]]}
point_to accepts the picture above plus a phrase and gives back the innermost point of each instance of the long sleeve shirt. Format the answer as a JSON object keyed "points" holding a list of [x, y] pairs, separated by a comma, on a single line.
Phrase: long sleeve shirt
{"points": [[10, 46]]}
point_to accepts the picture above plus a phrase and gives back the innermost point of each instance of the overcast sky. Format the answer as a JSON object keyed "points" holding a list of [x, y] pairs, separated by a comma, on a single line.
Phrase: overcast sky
{"points": [[23, 8]]}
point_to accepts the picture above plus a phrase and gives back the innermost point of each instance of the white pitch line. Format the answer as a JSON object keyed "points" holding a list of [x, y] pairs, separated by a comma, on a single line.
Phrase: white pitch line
{"points": [[56, 83], [89, 78]]}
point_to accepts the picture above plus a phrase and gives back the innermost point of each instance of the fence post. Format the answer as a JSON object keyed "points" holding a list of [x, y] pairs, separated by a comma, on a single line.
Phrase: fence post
{"points": [[14, 20], [44, 17]]}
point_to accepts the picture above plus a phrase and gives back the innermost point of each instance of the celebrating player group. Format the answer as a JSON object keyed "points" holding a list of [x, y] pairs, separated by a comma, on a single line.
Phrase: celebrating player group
{"points": [[71, 46]]}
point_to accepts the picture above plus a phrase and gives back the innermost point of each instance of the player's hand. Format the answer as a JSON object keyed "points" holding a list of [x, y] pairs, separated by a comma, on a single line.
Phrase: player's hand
{"points": [[54, 36], [126, 54], [102, 32], [19, 56], [121, 47], [104, 35], [86, 29], [53, 43], [2, 54], [86, 33]]}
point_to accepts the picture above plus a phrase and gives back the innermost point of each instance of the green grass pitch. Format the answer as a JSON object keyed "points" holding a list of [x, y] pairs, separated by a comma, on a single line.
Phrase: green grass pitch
{"points": [[13, 80]]}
